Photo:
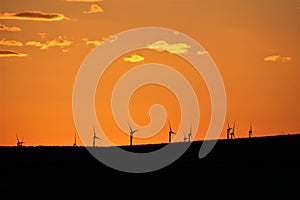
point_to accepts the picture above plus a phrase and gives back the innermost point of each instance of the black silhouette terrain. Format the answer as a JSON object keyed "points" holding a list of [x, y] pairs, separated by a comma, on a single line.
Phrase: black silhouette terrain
{"points": [[237, 164]]}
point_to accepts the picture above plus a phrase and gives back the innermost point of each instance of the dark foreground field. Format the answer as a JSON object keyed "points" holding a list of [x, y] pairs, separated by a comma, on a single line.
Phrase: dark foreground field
{"points": [[248, 165]]}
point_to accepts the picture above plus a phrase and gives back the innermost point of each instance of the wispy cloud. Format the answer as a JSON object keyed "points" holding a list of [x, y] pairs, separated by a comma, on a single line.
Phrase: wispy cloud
{"points": [[37, 44], [201, 53], [84, 1], [9, 28], [33, 15], [178, 48], [91, 42], [97, 42], [9, 53], [60, 41], [65, 50], [110, 38], [94, 8], [42, 35], [134, 58], [278, 58], [10, 42]]}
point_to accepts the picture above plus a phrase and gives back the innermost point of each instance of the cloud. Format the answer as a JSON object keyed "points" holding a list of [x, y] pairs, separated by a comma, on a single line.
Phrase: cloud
{"points": [[94, 8], [110, 38], [178, 48], [9, 53], [10, 29], [91, 42], [37, 44], [65, 50], [60, 41], [201, 53], [278, 58], [134, 58], [10, 42], [42, 35], [84, 1], [33, 15]]}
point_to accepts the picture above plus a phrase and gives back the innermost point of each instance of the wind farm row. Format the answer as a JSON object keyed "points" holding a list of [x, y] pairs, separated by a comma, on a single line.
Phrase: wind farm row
{"points": [[187, 137]]}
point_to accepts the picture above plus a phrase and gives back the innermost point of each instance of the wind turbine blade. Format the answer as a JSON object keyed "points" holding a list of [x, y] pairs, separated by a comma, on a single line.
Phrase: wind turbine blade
{"points": [[130, 127], [170, 126], [94, 131]]}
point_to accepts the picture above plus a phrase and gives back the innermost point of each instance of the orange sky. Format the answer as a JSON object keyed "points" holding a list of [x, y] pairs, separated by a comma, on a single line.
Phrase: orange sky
{"points": [[255, 45]]}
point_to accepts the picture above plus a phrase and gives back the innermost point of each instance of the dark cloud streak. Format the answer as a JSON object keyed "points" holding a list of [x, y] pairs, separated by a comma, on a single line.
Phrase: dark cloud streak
{"points": [[33, 15], [10, 53]]}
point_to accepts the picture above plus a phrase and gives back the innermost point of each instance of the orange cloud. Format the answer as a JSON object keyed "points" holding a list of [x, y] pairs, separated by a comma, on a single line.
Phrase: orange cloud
{"points": [[33, 15], [60, 41], [278, 58], [172, 48], [94, 8], [10, 43], [91, 42], [10, 29], [9, 53], [134, 58]]}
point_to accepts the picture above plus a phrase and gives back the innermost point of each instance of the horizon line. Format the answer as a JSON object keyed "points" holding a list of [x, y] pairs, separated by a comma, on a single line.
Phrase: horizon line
{"points": [[163, 143]]}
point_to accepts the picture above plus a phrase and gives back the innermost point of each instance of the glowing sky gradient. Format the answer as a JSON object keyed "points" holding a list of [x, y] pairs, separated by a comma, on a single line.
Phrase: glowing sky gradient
{"points": [[254, 43]]}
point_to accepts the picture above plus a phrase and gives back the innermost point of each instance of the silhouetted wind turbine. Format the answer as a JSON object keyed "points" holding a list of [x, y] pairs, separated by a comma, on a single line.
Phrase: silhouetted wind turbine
{"points": [[131, 133], [75, 144], [184, 137], [170, 132], [190, 134], [19, 143], [228, 130], [250, 130], [232, 133], [94, 138]]}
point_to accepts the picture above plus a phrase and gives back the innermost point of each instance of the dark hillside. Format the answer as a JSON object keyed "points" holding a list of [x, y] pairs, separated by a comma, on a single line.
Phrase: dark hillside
{"points": [[264, 160]]}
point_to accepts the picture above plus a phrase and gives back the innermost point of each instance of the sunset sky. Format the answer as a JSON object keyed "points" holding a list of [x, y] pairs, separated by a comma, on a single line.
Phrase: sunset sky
{"points": [[254, 43]]}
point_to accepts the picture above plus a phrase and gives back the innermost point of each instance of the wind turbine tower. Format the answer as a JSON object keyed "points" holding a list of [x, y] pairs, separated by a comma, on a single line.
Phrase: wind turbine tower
{"points": [[94, 138], [131, 134], [184, 137], [19, 143], [228, 130], [75, 143], [190, 134], [250, 131], [232, 133], [170, 132]]}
